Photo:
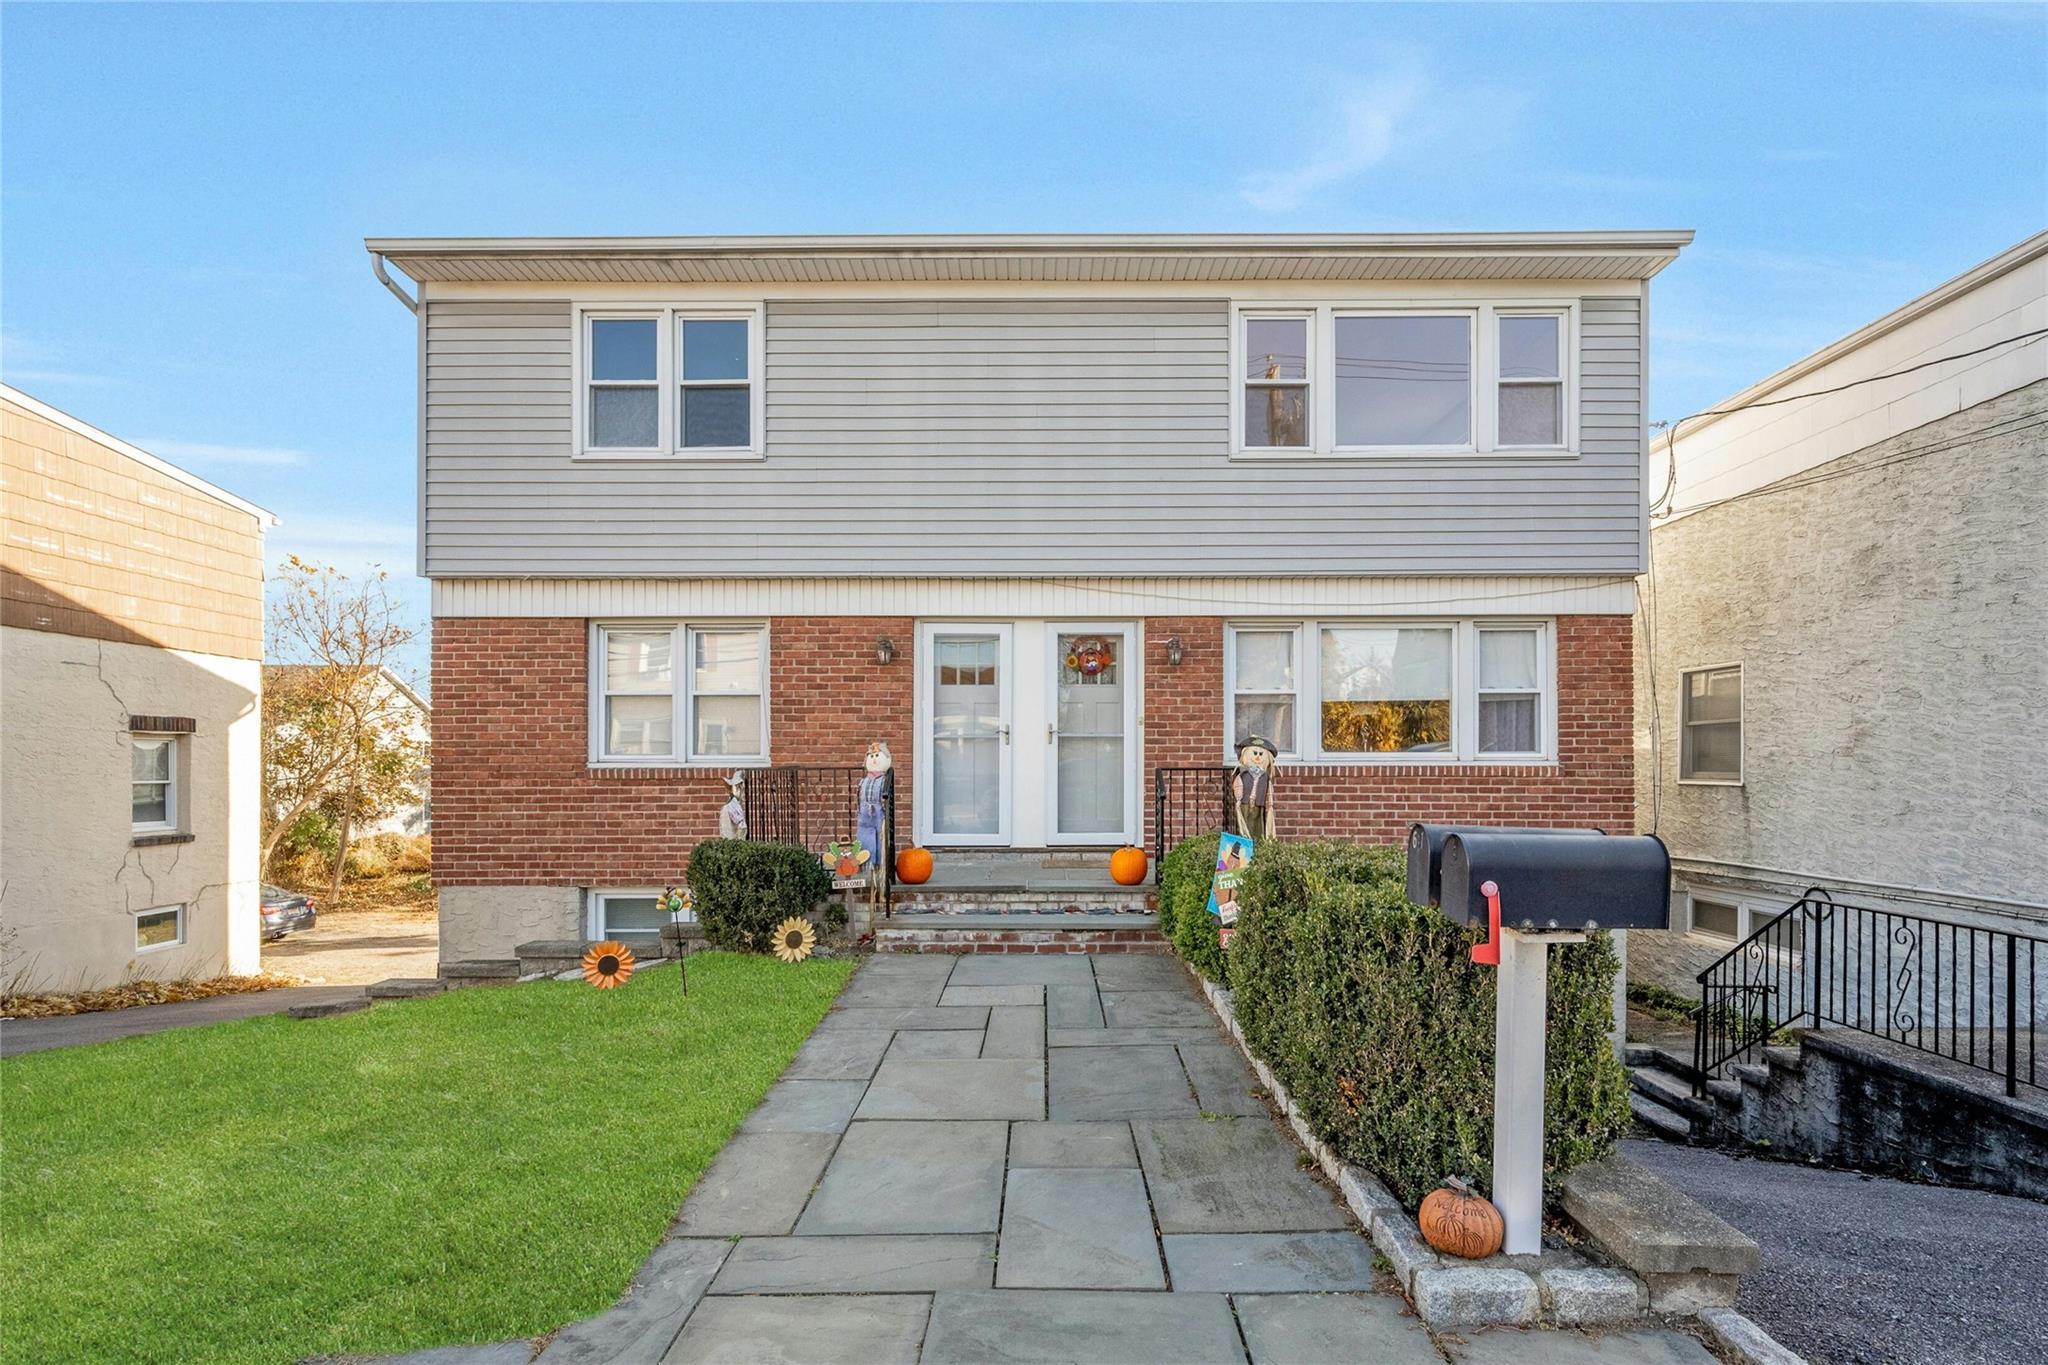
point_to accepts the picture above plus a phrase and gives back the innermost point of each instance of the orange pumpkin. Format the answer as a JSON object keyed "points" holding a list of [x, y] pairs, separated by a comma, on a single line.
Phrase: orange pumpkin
{"points": [[1127, 866], [1458, 1221], [914, 866]]}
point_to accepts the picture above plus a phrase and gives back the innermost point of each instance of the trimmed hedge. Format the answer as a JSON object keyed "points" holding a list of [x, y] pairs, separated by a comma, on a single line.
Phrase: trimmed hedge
{"points": [[1374, 1016], [1184, 916], [743, 889]]}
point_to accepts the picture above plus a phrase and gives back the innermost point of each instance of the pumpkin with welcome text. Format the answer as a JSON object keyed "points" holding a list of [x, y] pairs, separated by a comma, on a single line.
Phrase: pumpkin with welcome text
{"points": [[1459, 1221], [914, 866], [1127, 866]]}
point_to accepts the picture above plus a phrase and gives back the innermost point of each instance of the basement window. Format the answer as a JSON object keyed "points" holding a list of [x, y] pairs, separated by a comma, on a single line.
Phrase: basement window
{"points": [[163, 927]]}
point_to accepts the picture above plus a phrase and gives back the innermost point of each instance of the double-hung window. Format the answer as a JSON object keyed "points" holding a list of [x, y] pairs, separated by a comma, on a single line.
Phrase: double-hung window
{"points": [[669, 382], [664, 694], [1402, 378], [1392, 691], [153, 783], [1710, 725]]}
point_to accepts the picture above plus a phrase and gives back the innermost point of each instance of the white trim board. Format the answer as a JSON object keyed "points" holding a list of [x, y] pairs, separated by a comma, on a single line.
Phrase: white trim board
{"points": [[1039, 598]]}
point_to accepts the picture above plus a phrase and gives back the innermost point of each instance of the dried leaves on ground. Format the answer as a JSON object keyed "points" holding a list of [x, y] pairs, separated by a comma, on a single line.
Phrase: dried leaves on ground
{"points": [[43, 1006]]}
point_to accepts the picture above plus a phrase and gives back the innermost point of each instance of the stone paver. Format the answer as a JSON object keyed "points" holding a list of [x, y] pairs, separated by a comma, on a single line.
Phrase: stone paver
{"points": [[1047, 970], [955, 1088], [1333, 1329], [914, 1017], [1015, 1031], [638, 1330], [805, 1107], [1127, 1037], [934, 1043], [757, 1186], [858, 1265], [1071, 1145], [911, 1177], [1073, 1007], [876, 1329], [1269, 1262], [1230, 1175], [1020, 994], [1078, 1229], [849, 1056], [1223, 1083], [1117, 1083], [1518, 1346], [1140, 972], [899, 990], [1155, 1009], [972, 1327]]}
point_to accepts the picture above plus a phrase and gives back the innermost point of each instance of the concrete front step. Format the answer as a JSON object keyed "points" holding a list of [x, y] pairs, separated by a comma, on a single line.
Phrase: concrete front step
{"points": [[491, 971], [1672, 1092], [405, 987], [1665, 1123], [1019, 934], [321, 1009]]}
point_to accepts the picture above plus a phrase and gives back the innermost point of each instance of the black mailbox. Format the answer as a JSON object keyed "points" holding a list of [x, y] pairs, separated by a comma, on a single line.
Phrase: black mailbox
{"points": [[1557, 880], [1426, 854]]}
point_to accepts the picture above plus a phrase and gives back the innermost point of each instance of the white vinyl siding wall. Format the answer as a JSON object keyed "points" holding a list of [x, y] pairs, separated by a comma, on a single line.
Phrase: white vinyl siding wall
{"points": [[977, 438]]}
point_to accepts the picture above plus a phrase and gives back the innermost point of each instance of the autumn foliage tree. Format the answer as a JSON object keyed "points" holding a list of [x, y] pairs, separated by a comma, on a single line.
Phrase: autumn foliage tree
{"points": [[337, 736]]}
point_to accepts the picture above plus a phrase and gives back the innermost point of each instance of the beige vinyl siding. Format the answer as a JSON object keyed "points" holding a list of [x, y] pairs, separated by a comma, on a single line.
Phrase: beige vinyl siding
{"points": [[978, 437]]}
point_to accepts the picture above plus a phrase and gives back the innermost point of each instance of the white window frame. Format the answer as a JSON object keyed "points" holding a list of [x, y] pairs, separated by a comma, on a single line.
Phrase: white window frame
{"points": [[1563, 381], [668, 382], [1545, 692], [138, 916], [1483, 442], [1464, 746], [174, 743], [681, 651], [594, 907], [1685, 677], [1242, 382]]}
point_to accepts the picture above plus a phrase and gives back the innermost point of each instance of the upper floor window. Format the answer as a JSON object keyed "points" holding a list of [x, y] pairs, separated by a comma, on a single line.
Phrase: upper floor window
{"points": [[673, 694], [669, 382], [153, 783], [1399, 690], [1403, 379], [1710, 725]]}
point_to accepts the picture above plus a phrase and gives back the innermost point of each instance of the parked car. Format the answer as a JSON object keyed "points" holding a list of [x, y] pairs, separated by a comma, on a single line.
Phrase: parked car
{"points": [[286, 911]]}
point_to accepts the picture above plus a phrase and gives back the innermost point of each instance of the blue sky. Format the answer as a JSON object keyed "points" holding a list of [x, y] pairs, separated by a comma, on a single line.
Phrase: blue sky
{"points": [[184, 189]]}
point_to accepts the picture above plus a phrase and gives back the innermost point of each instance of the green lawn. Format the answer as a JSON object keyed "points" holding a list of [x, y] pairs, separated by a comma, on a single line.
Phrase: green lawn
{"points": [[482, 1165]]}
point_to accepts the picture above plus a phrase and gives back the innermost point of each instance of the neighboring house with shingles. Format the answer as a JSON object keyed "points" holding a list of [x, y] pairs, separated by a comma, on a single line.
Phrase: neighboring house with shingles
{"points": [[1843, 681], [131, 675], [1045, 513]]}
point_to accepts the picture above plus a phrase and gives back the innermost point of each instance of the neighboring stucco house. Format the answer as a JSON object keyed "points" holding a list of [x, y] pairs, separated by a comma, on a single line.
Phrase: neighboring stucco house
{"points": [[1841, 682], [131, 675], [1045, 513], [403, 710]]}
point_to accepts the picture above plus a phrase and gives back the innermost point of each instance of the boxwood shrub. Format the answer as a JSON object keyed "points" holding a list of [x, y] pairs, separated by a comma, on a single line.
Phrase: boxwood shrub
{"points": [[743, 889], [1184, 904], [1374, 1016]]}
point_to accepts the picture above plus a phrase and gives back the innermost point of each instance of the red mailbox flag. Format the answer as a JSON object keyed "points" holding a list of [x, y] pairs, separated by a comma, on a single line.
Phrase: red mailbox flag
{"points": [[1488, 953]]}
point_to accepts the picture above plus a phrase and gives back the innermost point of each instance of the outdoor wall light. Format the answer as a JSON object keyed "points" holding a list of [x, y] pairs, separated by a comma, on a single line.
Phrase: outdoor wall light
{"points": [[885, 650], [1174, 652]]}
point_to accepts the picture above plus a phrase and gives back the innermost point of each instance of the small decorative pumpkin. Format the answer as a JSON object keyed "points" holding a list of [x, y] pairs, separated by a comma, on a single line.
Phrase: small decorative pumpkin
{"points": [[914, 866], [1458, 1221], [1127, 866]]}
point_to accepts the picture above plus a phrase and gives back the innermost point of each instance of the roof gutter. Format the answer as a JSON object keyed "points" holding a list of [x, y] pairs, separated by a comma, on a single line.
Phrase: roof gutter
{"points": [[412, 304]]}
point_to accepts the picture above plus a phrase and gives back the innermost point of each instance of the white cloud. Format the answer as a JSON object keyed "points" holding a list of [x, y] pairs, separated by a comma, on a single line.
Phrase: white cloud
{"points": [[1371, 121], [206, 452]]}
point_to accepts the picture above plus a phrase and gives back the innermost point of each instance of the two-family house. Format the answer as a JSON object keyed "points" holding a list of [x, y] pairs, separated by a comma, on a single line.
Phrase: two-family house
{"points": [[1048, 514]]}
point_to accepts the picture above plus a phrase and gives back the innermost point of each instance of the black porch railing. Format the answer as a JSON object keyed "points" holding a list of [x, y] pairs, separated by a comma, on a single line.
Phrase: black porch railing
{"points": [[1959, 991], [1187, 802], [812, 806]]}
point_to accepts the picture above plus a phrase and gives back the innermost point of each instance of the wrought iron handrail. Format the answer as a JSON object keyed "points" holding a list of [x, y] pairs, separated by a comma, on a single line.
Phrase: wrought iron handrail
{"points": [[810, 806], [1187, 802], [1960, 991]]}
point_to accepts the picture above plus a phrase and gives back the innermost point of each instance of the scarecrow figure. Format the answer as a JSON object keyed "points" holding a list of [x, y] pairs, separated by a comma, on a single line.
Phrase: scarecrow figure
{"points": [[871, 826], [1251, 788], [732, 817]]}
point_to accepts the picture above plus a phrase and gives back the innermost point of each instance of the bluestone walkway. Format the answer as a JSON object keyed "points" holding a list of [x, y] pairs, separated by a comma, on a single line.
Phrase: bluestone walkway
{"points": [[1042, 1158]]}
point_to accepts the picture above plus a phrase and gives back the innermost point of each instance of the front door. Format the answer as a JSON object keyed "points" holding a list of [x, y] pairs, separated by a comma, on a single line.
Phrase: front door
{"points": [[965, 739], [1091, 708]]}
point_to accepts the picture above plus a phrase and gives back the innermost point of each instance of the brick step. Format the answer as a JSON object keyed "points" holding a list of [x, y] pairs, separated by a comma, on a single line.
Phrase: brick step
{"points": [[1003, 934], [1027, 901]]}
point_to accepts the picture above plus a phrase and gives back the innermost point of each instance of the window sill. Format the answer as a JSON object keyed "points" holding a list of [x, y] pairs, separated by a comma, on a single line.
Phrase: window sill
{"points": [[1356, 455], [159, 948], [1709, 781], [656, 771], [1495, 766], [154, 838], [730, 454]]}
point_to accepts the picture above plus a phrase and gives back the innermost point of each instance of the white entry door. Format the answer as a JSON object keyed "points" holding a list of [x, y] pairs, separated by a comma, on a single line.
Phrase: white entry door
{"points": [[964, 741], [1090, 734]]}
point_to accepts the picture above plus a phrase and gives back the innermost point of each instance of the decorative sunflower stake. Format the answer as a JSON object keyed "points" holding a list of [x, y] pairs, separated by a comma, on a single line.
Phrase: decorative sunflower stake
{"points": [[608, 965], [794, 939]]}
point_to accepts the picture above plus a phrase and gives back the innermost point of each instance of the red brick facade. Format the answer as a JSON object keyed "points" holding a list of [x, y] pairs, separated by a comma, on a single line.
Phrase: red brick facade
{"points": [[516, 801]]}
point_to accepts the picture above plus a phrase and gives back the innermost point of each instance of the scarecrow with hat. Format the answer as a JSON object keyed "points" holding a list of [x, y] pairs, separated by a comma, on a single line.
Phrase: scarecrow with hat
{"points": [[1251, 787]]}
